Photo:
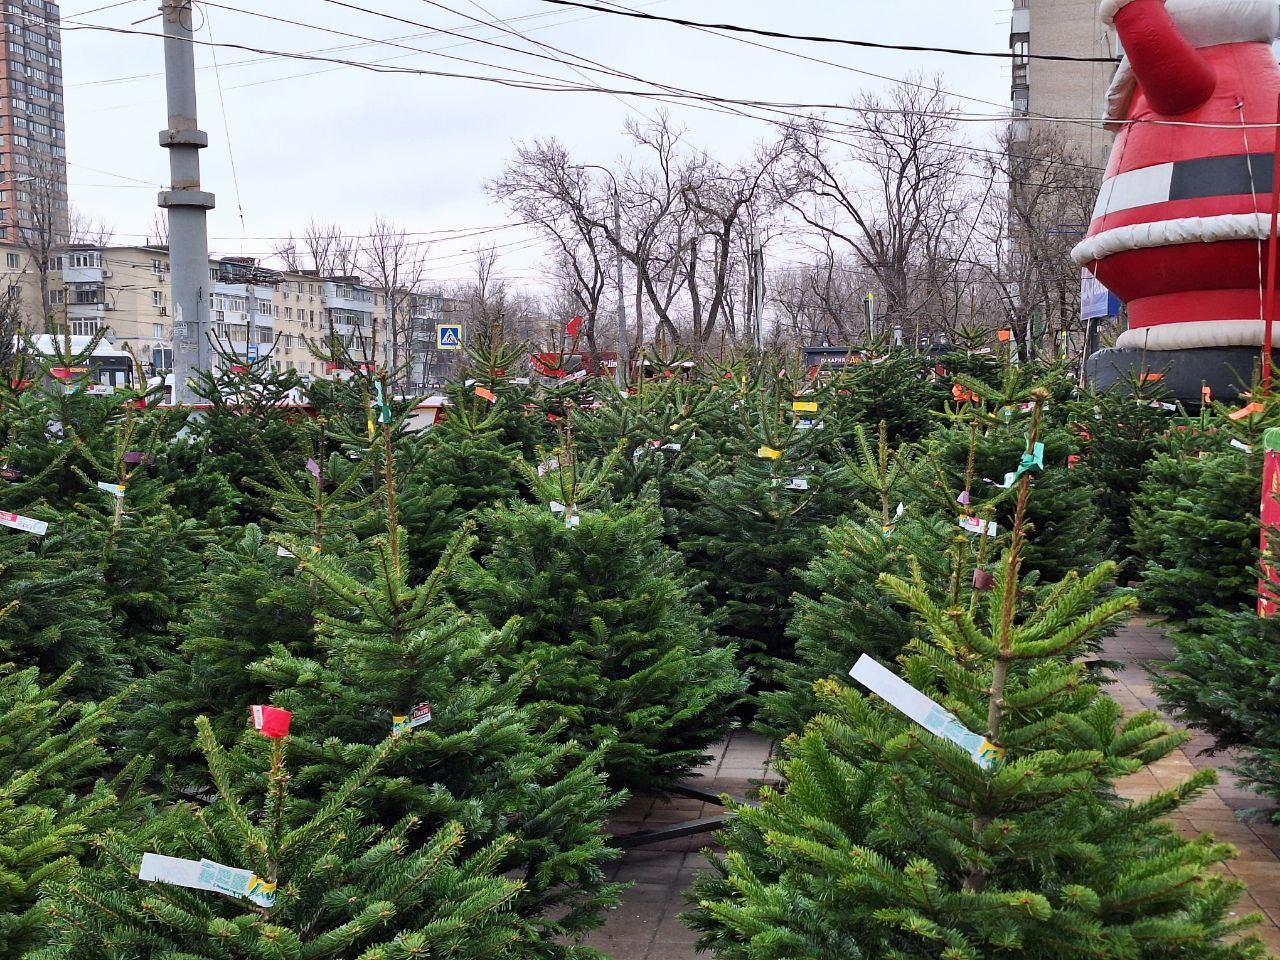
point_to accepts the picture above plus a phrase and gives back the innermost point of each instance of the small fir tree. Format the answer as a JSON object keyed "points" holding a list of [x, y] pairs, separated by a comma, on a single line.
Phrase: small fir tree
{"points": [[329, 882], [606, 627], [52, 800], [891, 842]]}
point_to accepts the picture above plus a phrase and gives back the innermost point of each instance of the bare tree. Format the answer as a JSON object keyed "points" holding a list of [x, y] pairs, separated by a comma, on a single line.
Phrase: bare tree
{"points": [[395, 267], [158, 234], [906, 223], [1043, 197], [822, 302], [325, 249], [42, 226], [10, 327], [546, 189], [89, 230]]}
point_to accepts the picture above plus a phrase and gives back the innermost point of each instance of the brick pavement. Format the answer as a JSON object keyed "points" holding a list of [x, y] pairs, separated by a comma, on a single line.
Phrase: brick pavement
{"points": [[647, 925], [1141, 647]]}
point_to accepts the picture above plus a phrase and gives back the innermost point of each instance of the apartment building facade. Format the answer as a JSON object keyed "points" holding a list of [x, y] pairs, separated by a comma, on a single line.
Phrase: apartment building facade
{"points": [[33, 170], [1062, 89], [255, 312]]}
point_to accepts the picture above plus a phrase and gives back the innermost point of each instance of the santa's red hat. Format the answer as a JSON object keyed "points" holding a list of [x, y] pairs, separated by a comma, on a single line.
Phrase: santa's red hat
{"points": [[1200, 24]]}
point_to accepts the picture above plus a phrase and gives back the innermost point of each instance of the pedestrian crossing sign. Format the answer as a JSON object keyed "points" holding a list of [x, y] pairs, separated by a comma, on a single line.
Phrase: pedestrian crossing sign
{"points": [[449, 336]]}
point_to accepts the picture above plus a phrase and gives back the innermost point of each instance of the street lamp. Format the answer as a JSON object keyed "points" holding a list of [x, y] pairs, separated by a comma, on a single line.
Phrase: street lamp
{"points": [[624, 349]]}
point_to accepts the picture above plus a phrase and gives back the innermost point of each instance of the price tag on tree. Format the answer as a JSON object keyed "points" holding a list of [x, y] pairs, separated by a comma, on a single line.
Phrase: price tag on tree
{"points": [[115, 489], [25, 524], [417, 717], [928, 713]]}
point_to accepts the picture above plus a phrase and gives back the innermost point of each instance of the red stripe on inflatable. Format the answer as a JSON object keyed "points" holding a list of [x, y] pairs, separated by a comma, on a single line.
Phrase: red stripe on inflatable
{"points": [[1194, 306], [1181, 210]]}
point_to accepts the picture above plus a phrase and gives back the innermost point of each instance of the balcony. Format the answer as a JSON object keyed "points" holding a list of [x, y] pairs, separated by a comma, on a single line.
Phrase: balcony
{"points": [[91, 275]]}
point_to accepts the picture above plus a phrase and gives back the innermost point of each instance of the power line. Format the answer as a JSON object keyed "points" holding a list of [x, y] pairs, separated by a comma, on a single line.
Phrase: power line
{"points": [[869, 44]]}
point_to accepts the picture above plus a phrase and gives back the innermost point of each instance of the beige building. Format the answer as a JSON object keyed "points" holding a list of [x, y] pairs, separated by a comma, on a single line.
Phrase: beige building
{"points": [[254, 312], [1048, 88]]}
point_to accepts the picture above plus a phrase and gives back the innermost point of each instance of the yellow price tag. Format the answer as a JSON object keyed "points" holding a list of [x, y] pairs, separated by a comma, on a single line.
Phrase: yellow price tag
{"points": [[768, 453], [804, 406]]}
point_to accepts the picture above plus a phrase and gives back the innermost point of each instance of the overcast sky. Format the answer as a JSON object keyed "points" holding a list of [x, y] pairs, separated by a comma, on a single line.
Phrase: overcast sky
{"points": [[343, 144]]}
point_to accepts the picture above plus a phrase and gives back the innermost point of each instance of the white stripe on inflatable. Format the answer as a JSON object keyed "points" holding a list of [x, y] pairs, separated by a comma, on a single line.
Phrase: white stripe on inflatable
{"points": [[1197, 333], [1134, 188], [1171, 233]]}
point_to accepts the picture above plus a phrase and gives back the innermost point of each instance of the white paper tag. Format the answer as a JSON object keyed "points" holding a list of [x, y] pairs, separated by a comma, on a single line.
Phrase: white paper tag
{"points": [[1157, 405], [207, 875], [548, 466], [902, 508], [979, 526], [811, 425], [25, 524], [115, 489], [100, 390], [580, 375], [571, 522], [672, 447], [1242, 446], [282, 552], [913, 704], [520, 381], [557, 507], [798, 483]]}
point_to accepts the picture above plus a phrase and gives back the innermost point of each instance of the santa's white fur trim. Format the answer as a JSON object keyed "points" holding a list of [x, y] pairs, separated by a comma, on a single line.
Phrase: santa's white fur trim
{"points": [[1171, 233], [1194, 334], [1107, 12]]}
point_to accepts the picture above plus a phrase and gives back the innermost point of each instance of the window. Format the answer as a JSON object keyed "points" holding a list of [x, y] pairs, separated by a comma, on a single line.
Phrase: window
{"points": [[84, 328], [157, 331], [20, 141], [15, 292], [264, 335], [288, 341], [264, 308], [213, 274], [58, 297], [12, 260], [157, 298], [288, 313], [157, 267], [86, 260]]}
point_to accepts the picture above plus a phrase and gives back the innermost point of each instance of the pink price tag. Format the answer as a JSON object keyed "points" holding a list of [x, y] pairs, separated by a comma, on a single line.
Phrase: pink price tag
{"points": [[25, 524]]}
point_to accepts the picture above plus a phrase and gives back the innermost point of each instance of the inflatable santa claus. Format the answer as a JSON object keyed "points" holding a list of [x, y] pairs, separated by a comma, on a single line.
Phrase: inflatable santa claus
{"points": [[1180, 232]]}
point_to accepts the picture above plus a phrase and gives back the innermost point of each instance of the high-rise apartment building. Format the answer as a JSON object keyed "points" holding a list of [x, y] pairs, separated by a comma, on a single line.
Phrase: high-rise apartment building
{"points": [[1064, 89], [33, 168]]}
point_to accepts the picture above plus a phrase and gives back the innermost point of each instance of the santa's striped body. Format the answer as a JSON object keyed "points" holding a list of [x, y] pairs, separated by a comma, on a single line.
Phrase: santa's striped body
{"points": [[1179, 232]]}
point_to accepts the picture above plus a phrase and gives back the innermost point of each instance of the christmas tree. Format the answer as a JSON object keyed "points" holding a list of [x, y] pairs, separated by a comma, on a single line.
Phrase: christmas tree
{"points": [[1222, 680], [605, 625], [52, 802], [258, 874], [1195, 522], [56, 610], [756, 517], [393, 655], [460, 466], [985, 823]]}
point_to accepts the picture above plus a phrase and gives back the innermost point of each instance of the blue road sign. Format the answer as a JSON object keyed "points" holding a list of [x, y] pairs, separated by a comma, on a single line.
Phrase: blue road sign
{"points": [[449, 336]]}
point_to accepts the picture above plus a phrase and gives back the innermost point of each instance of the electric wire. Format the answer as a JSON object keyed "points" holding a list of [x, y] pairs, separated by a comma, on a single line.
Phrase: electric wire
{"points": [[869, 44]]}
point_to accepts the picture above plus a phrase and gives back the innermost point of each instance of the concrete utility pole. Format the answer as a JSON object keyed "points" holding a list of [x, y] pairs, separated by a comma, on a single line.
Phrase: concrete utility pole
{"points": [[186, 203]]}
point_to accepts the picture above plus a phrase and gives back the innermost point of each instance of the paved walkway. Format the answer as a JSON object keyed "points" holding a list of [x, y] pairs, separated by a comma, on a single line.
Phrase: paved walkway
{"points": [[647, 925], [1139, 647]]}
